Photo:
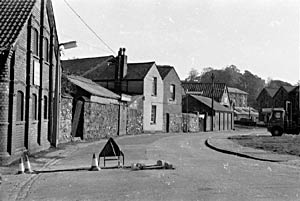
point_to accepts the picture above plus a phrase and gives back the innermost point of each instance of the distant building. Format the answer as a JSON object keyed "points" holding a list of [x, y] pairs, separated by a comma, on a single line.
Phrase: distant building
{"points": [[276, 98], [237, 97], [205, 89], [223, 116], [29, 66]]}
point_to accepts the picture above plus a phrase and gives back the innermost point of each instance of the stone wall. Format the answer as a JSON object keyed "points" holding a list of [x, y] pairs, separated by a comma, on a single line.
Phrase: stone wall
{"points": [[100, 121], [175, 123], [190, 122], [65, 126], [134, 121]]}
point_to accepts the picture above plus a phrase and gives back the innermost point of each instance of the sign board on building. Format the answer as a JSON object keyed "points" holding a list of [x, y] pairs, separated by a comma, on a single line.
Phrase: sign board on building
{"points": [[36, 70]]}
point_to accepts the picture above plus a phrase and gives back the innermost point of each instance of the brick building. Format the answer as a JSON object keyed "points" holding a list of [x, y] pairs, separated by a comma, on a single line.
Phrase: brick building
{"points": [[29, 60]]}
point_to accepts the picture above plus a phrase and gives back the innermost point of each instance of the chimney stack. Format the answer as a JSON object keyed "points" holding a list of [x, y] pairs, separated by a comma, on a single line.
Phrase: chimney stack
{"points": [[123, 72], [120, 69]]}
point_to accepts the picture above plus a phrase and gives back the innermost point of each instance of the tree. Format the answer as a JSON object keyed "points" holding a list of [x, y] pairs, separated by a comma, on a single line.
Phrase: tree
{"points": [[277, 83], [193, 76]]}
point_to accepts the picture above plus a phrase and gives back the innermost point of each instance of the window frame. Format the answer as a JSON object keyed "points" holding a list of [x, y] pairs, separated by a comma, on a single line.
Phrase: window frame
{"points": [[153, 114], [46, 49], [172, 94], [154, 86], [35, 42], [34, 103], [20, 106], [45, 107]]}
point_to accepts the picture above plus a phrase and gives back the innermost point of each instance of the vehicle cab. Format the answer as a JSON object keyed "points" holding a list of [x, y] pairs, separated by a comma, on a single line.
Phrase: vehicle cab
{"points": [[276, 121]]}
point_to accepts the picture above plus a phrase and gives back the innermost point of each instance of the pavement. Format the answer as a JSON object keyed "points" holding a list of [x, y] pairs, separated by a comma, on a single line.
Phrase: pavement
{"points": [[13, 183]]}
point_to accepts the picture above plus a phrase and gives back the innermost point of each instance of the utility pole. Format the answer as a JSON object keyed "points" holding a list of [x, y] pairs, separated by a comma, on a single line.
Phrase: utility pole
{"points": [[212, 102]]}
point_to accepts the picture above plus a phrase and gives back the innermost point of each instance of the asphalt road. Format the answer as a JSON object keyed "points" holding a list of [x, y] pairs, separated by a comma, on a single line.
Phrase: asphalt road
{"points": [[200, 174]]}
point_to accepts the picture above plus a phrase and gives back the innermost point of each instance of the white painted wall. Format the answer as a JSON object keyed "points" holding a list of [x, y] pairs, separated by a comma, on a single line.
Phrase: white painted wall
{"points": [[149, 100]]}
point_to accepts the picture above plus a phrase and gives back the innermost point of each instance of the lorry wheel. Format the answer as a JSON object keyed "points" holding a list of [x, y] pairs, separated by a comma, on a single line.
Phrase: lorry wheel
{"points": [[276, 132]]}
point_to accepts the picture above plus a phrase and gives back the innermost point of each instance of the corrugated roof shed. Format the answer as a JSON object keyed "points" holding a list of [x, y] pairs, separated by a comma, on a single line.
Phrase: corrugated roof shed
{"points": [[92, 87], [13, 16], [207, 101]]}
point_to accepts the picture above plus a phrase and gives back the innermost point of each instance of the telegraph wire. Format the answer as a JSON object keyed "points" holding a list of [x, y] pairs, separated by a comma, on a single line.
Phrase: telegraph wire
{"points": [[98, 37]]}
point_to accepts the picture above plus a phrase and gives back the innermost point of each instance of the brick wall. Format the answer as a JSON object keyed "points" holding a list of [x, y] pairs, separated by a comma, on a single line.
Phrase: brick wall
{"points": [[19, 71]]}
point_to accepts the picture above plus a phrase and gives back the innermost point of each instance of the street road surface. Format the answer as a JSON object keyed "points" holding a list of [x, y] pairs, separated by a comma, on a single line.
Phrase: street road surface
{"points": [[200, 174]]}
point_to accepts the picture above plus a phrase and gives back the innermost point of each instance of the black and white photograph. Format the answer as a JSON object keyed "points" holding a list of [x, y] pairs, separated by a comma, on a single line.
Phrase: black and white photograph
{"points": [[149, 100]]}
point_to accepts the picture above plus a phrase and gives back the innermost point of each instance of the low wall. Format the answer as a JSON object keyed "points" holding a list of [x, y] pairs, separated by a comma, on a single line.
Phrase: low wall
{"points": [[100, 120], [175, 123], [134, 122], [190, 122]]}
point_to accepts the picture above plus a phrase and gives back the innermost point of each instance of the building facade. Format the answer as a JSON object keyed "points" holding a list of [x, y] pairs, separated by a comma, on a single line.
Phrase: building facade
{"points": [[172, 101], [133, 79], [30, 66], [237, 97]]}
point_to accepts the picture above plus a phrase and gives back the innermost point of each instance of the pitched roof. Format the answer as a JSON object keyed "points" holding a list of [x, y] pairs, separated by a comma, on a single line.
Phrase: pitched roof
{"points": [[138, 70], [135, 71], [207, 101], [81, 66], [103, 68], [289, 88], [92, 87], [13, 16], [164, 70], [205, 89], [236, 90], [271, 91]]}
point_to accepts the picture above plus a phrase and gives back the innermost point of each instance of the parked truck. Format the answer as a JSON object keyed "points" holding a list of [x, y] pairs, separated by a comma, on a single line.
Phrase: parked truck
{"points": [[284, 120]]}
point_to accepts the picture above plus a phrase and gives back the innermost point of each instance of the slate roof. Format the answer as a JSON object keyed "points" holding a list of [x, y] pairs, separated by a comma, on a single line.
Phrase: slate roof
{"points": [[13, 16], [164, 70], [138, 70], [207, 101], [103, 68], [205, 89], [84, 65], [92, 87], [236, 90]]}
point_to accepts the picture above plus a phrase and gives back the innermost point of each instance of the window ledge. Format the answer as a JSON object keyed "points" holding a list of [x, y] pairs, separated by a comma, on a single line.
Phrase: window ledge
{"points": [[20, 122]]}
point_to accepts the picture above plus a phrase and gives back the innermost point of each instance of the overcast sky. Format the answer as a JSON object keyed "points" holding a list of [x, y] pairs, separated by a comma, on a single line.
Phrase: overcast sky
{"points": [[261, 36]]}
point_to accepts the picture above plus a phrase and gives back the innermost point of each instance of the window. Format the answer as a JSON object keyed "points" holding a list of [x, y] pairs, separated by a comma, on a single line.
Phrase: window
{"points": [[34, 107], [35, 42], [45, 107], [153, 114], [46, 50], [154, 86], [20, 105], [172, 92]]}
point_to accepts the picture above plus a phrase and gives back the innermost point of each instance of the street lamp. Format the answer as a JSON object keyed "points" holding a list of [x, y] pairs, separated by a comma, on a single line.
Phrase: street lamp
{"points": [[56, 112], [212, 102]]}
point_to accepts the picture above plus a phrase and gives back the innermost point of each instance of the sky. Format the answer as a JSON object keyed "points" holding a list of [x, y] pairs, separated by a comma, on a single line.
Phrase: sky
{"points": [[261, 36]]}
